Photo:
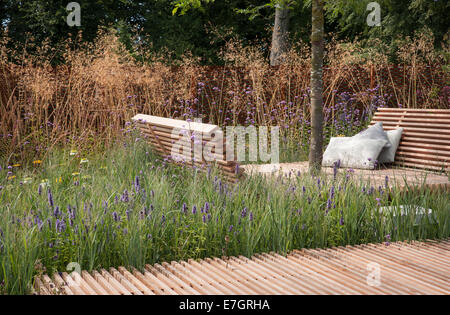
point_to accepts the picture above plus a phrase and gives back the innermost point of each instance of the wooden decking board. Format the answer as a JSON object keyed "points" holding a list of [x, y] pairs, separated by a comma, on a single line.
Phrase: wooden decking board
{"points": [[397, 177], [405, 268]]}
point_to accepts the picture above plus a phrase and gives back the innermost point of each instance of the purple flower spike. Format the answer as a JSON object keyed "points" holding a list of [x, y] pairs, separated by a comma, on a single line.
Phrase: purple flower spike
{"points": [[137, 185], [50, 197]]}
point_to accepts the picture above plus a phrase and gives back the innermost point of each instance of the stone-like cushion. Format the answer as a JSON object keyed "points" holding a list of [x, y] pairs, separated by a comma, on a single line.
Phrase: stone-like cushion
{"points": [[374, 132], [353, 152], [387, 155]]}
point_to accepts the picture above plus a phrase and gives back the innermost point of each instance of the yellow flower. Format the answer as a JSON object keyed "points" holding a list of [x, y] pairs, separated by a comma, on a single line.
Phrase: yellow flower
{"points": [[73, 152], [58, 179], [86, 177], [11, 177], [84, 160], [16, 165], [75, 174], [341, 135], [37, 162]]}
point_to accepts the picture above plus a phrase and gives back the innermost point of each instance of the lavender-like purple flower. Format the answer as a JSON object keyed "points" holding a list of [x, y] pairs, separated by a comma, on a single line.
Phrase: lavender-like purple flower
{"points": [[230, 228], [60, 225], [40, 189], [56, 212], [341, 221], [250, 217], [378, 201], [115, 216], [125, 197], [137, 185], [194, 209], [207, 207], [388, 238], [244, 212], [50, 197]]}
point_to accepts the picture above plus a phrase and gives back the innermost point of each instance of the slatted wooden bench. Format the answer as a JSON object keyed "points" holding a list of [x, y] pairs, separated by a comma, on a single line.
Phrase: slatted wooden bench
{"points": [[425, 142], [422, 158], [168, 135]]}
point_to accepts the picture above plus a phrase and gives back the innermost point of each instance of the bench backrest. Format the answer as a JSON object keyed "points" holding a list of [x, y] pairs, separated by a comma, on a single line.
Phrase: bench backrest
{"points": [[168, 135], [425, 141]]}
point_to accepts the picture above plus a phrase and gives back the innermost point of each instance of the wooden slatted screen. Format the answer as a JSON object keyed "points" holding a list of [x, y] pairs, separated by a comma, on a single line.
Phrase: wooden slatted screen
{"points": [[404, 268], [169, 137], [425, 141]]}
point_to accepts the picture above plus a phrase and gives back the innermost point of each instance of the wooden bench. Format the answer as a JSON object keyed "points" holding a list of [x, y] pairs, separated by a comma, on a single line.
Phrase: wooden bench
{"points": [[168, 135], [422, 158], [425, 142]]}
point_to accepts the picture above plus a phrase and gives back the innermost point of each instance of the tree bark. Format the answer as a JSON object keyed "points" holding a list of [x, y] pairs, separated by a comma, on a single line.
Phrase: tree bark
{"points": [[280, 37], [317, 47]]}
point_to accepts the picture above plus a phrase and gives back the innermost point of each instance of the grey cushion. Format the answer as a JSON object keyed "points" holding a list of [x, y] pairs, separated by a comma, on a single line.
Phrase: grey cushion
{"points": [[387, 155], [353, 152], [374, 132]]}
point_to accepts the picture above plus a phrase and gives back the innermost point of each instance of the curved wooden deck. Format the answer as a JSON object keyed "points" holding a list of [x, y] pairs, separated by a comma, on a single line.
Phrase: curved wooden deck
{"points": [[397, 268]]}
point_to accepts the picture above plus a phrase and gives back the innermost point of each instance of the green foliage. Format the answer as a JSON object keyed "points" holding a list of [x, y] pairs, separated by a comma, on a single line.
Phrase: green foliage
{"points": [[126, 207], [203, 27], [399, 18]]}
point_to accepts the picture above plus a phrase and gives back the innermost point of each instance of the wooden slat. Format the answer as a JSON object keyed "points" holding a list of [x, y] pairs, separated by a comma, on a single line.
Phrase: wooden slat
{"points": [[159, 132], [425, 141], [405, 268]]}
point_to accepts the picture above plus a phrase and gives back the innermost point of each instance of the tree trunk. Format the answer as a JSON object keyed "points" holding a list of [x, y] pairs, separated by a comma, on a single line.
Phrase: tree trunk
{"points": [[316, 145], [280, 37]]}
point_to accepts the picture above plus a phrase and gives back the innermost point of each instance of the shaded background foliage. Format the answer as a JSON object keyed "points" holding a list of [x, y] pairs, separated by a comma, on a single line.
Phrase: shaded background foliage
{"points": [[204, 32]]}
